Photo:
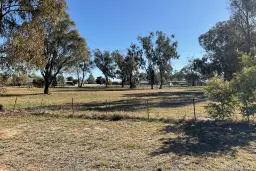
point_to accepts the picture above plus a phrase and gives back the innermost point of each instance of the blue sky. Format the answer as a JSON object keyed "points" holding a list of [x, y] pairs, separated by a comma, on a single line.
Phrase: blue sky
{"points": [[115, 24]]}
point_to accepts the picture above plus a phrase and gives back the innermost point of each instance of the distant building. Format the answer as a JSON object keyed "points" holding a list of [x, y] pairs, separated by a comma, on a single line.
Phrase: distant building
{"points": [[144, 82], [178, 83]]}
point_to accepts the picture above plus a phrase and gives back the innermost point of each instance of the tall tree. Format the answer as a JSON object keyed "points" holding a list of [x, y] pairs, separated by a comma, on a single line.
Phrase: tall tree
{"points": [[134, 61], [91, 79], [105, 63], [100, 80], [149, 50], [243, 15], [151, 75], [22, 31], [160, 52], [60, 49], [82, 68], [222, 43], [121, 66]]}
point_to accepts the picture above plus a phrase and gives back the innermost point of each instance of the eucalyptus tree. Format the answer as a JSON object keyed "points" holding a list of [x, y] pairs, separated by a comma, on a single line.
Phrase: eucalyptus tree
{"points": [[60, 50], [83, 65], [121, 71], [243, 14], [134, 61], [160, 51], [21, 30], [222, 43], [105, 62]]}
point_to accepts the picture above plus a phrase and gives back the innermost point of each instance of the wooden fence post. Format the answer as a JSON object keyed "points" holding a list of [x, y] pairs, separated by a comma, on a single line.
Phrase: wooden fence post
{"points": [[106, 106], [147, 109], [194, 105], [15, 103], [41, 106], [73, 106]]}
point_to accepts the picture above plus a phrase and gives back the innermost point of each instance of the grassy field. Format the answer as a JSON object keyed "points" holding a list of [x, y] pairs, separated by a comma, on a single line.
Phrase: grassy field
{"points": [[110, 130]]}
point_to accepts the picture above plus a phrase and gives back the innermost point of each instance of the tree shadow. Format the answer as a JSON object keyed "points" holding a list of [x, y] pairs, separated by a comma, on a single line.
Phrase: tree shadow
{"points": [[91, 89], [21, 95], [207, 138], [129, 105], [196, 94]]}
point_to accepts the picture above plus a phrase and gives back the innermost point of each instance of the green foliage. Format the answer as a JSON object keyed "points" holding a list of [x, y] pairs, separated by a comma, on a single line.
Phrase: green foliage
{"points": [[75, 81], [105, 62], [91, 79], [151, 75], [61, 80], [83, 67], [245, 87], [122, 70], [100, 80], [22, 24], [221, 43], [3, 79], [38, 82], [223, 100], [160, 52], [70, 79], [134, 61]]}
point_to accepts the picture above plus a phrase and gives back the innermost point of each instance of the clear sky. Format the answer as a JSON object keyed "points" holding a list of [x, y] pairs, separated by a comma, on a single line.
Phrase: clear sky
{"points": [[115, 24]]}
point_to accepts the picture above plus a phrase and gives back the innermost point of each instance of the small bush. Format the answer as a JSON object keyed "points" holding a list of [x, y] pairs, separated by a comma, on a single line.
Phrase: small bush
{"points": [[1, 107], [223, 99], [244, 85], [116, 117]]}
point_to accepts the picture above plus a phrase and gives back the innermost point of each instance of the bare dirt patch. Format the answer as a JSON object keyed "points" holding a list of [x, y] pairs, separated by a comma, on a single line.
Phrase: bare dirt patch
{"points": [[4, 167], [7, 134]]}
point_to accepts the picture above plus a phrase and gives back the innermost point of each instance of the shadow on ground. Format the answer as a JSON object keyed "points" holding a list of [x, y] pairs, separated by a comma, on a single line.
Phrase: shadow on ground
{"points": [[20, 95], [184, 94], [129, 105], [207, 138], [91, 89]]}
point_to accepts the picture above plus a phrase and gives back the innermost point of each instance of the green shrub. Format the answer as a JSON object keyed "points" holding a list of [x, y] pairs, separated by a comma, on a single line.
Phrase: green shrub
{"points": [[244, 85], [222, 98], [38, 82]]}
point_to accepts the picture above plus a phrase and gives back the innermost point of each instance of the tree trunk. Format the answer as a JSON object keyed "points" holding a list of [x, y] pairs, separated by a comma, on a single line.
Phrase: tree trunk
{"points": [[161, 80], [152, 85], [130, 80], [123, 81], [46, 89], [193, 83], [46, 85], [106, 81], [78, 79], [47, 82]]}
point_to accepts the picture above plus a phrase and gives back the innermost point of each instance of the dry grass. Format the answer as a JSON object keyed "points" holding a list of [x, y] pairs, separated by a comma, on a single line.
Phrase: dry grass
{"points": [[167, 103], [51, 142]]}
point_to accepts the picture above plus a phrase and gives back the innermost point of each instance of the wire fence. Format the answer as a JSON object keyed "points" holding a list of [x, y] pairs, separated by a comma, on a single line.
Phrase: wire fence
{"points": [[133, 108]]}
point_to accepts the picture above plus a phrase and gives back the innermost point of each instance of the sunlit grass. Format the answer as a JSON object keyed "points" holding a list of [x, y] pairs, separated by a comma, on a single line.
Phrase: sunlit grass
{"points": [[110, 130]]}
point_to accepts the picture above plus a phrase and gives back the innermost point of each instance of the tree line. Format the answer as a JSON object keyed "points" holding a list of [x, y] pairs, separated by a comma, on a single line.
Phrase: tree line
{"points": [[45, 39]]}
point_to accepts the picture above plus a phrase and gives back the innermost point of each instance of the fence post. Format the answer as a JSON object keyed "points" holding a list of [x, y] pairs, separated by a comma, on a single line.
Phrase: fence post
{"points": [[72, 106], [106, 106], [15, 103], [194, 105], [41, 105], [147, 109]]}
